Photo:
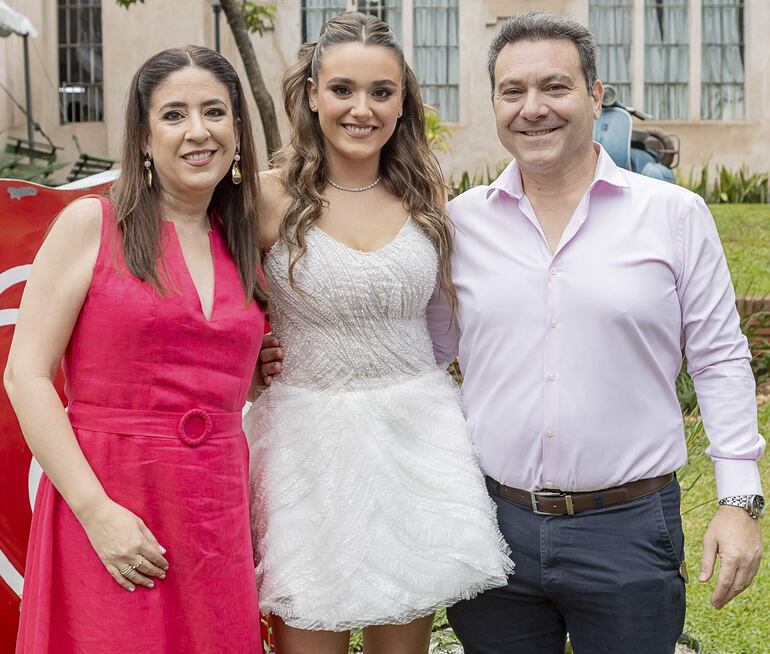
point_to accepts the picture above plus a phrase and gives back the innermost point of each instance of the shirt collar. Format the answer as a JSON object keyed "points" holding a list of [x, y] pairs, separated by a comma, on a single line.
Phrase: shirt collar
{"points": [[607, 171]]}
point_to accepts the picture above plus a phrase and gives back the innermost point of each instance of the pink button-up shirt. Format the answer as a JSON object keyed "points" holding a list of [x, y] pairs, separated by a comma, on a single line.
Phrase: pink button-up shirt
{"points": [[570, 359]]}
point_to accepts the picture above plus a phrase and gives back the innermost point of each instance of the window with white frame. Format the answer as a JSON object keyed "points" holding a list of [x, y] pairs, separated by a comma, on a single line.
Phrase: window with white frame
{"points": [[437, 54], [434, 32], [387, 10], [666, 58], [316, 12], [81, 91], [722, 60], [611, 23]]}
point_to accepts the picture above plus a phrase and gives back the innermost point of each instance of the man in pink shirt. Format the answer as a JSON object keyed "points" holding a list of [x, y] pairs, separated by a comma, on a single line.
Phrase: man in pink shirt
{"points": [[578, 285]]}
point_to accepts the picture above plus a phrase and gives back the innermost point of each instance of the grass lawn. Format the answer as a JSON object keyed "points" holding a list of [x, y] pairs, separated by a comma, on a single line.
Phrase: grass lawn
{"points": [[743, 626], [745, 233]]}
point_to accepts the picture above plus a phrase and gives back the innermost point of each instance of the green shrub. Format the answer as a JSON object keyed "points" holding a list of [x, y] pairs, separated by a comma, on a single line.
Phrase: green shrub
{"points": [[437, 133], [456, 187], [728, 187], [755, 326], [685, 391]]}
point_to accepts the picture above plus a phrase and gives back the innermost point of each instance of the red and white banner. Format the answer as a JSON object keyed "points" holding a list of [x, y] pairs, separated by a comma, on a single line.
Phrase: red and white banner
{"points": [[26, 211]]}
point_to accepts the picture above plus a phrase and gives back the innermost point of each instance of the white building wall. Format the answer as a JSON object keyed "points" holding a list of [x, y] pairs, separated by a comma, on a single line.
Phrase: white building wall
{"points": [[130, 36]]}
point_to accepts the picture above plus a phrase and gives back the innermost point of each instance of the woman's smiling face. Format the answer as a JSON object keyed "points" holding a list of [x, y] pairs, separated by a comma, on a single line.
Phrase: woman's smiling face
{"points": [[358, 97], [192, 131]]}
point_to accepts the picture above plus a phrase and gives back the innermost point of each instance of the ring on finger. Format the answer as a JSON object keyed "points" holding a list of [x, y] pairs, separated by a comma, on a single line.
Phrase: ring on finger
{"points": [[128, 570], [141, 560]]}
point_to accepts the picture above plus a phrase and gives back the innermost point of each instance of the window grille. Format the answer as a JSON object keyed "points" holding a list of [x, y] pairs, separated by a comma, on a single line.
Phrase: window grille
{"points": [[666, 58], [435, 41], [436, 55], [611, 22], [386, 10], [81, 85], [315, 13], [722, 60]]}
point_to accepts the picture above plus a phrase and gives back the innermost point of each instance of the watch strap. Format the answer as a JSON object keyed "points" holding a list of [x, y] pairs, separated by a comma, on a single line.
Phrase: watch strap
{"points": [[745, 502]]}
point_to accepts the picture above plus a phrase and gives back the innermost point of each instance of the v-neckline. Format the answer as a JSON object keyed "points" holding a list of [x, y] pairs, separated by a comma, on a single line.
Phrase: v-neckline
{"points": [[189, 277]]}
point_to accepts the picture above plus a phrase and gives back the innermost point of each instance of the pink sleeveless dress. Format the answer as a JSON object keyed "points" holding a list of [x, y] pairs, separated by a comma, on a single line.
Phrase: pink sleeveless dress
{"points": [[155, 396]]}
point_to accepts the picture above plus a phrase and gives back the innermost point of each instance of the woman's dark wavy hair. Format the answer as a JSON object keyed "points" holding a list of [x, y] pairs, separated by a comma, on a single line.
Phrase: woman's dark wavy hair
{"points": [[409, 169], [137, 207]]}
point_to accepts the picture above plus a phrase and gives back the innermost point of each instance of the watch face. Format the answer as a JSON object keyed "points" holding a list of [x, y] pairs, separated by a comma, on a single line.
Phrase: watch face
{"points": [[757, 505]]}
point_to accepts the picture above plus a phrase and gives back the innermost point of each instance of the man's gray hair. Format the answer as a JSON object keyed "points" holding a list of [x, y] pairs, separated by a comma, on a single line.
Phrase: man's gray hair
{"points": [[543, 26]]}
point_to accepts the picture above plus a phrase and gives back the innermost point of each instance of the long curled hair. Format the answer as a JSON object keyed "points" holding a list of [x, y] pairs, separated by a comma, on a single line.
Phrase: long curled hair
{"points": [[409, 169], [138, 208]]}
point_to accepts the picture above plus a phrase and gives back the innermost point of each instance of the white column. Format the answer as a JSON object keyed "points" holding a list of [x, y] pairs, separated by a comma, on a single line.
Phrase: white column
{"points": [[637, 55], [696, 36]]}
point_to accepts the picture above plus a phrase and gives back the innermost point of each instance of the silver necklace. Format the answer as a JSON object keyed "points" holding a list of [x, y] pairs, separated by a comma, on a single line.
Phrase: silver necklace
{"points": [[355, 190]]}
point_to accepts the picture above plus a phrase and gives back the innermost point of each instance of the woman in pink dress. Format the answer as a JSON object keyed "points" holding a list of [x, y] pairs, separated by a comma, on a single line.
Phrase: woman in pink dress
{"points": [[140, 539]]}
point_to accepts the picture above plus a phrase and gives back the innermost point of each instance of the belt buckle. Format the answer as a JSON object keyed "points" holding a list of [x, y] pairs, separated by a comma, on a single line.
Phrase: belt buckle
{"points": [[536, 495], [204, 420]]}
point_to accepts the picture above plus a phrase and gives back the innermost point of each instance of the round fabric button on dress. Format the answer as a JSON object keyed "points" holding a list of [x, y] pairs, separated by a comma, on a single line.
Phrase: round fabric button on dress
{"points": [[194, 427]]}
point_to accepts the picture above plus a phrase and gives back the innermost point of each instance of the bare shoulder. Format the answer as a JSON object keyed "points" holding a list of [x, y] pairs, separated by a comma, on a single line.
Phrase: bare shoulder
{"points": [[273, 192], [275, 202], [73, 241], [80, 222]]}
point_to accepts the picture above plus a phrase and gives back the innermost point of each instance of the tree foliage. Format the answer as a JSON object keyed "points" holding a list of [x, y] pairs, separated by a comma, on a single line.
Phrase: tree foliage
{"points": [[258, 17]]}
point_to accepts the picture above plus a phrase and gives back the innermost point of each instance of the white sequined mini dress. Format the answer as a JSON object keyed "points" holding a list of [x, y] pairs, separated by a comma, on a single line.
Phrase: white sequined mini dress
{"points": [[368, 504]]}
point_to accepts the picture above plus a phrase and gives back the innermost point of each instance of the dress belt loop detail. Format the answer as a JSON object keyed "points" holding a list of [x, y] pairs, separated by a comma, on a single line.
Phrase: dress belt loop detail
{"points": [[187, 426]]}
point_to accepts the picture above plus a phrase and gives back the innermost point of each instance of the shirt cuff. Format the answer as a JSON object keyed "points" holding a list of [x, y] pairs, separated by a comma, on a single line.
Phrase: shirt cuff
{"points": [[737, 477]]}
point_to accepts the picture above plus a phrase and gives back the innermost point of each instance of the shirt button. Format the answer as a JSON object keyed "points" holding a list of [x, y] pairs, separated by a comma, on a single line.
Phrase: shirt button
{"points": [[554, 271], [549, 484], [550, 432], [552, 323], [552, 377]]}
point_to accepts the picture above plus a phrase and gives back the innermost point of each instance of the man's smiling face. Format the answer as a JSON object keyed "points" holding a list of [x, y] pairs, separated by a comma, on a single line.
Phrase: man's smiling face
{"points": [[543, 110]]}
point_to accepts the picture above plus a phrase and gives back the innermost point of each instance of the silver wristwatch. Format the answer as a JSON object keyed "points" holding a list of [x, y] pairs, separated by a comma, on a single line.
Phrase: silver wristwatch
{"points": [[754, 505]]}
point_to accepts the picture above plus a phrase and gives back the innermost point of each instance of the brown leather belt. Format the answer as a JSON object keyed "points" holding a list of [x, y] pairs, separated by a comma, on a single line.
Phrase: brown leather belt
{"points": [[556, 502]]}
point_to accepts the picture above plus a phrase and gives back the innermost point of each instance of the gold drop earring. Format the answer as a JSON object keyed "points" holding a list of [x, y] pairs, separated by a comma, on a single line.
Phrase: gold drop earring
{"points": [[236, 171]]}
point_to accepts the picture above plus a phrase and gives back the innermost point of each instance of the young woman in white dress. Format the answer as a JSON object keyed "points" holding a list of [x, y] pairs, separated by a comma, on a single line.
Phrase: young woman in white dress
{"points": [[369, 509]]}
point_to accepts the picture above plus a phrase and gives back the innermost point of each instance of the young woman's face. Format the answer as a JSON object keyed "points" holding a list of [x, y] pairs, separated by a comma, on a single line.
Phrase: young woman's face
{"points": [[358, 99], [192, 131]]}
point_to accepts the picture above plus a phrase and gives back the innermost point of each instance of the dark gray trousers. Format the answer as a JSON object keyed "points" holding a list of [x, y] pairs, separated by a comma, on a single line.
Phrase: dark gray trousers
{"points": [[609, 577]]}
